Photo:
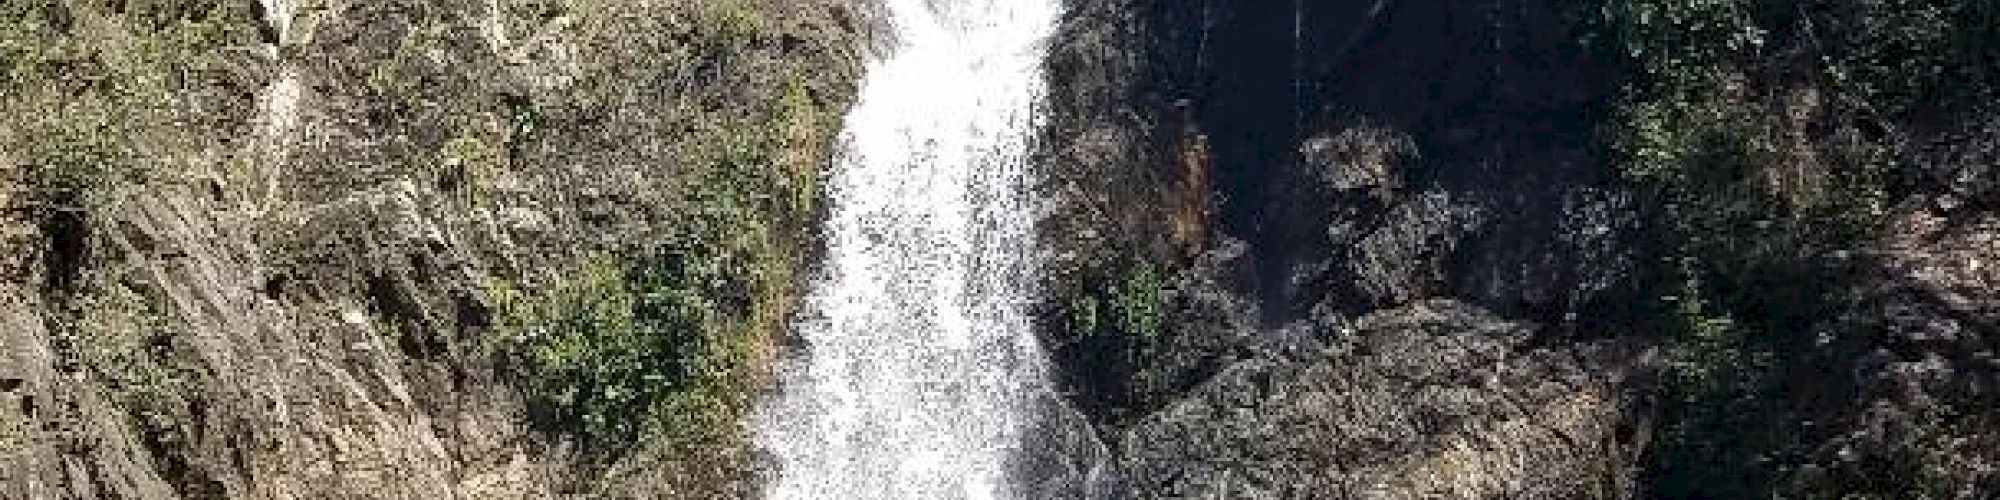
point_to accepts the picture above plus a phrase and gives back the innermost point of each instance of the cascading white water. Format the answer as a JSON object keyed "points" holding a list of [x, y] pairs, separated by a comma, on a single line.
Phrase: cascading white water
{"points": [[918, 373]]}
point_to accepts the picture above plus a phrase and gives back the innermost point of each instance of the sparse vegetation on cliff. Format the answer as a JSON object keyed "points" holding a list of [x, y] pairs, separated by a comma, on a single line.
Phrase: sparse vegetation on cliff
{"points": [[392, 235], [1777, 205], [1774, 142], [548, 248]]}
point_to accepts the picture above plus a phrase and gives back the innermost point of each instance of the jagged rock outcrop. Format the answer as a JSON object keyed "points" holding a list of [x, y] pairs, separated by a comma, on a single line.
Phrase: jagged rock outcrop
{"points": [[1910, 394], [1814, 293], [264, 249], [1438, 399], [1359, 151]]}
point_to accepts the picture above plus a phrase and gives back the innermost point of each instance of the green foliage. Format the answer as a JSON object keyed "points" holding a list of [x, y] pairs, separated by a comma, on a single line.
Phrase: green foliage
{"points": [[86, 97], [1126, 305], [629, 351], [1704, 141], [1677, 43], [734, 23], [668, 341], [130, 340], [1763, 134], [72, 158], [1135, 303], [1703, 102], [1892, 57], [470, 164], [1706, 344], [1681, 123], [591, 367], [27, 42], [137, 51], [665, 338], [1113, 323], [1707, 128]]}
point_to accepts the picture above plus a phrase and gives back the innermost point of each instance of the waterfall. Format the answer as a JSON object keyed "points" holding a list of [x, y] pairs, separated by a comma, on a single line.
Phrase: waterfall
{"points": [[920, 369], [278, 14]]}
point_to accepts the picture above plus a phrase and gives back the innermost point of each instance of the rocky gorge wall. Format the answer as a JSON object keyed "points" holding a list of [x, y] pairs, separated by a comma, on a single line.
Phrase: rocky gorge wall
{"points": [[532, 249], [375, 249], [1401, 182]]}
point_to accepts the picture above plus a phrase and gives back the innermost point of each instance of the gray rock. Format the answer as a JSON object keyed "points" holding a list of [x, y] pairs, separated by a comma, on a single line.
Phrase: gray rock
{"points": [[1438, 399]]}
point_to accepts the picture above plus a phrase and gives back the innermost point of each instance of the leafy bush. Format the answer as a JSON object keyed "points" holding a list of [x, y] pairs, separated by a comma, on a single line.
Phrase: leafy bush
{"points": [[1765, 135], [1894, 57], [624, 352], [27, 42], [591, 367], [662, 339], [667, 340], [72, 158], [1707, 347], [86, 97], [1135, 303], [1113, 323], [1127, 306], [733, 24], [1688, 58], [1675, 44]]}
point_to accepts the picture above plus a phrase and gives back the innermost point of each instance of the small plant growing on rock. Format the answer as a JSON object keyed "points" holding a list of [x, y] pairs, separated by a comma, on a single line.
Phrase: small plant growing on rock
{"points": [[1135, 303], [628, 351]]}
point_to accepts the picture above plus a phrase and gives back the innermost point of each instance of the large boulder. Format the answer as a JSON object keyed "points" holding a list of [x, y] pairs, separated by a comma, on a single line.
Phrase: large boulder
{"points": [[1438, 399]]}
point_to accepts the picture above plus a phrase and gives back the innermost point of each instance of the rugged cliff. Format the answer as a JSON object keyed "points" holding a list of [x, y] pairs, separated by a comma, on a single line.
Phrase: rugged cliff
{"points": [[1530, 249], [315, 248], [1389, 248]]}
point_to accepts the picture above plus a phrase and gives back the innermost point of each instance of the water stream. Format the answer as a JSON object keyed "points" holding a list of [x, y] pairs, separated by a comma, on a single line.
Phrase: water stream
{"points": [[919, 372]]}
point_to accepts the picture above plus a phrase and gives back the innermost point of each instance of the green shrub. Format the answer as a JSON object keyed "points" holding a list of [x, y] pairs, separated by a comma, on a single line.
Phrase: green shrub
{"points": [[665, 338], [733, 24], [586, 358], [88, 86], [1135, 303], [1112, 321], [669, 340], [129, 338], [27, 43], [629, 351], [72, 158], [1706, 344], [1677, 44], [1762, 134], [1889, 58]]}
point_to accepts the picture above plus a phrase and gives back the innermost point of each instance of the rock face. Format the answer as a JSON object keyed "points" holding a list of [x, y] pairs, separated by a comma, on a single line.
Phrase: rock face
{"points": [[1430, 278], [1305, 354], [1483, 175], [264, 254], [1910, 408], [1438, 399]]}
